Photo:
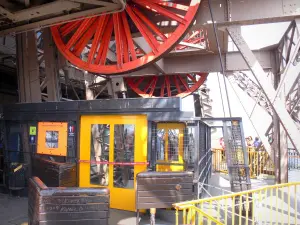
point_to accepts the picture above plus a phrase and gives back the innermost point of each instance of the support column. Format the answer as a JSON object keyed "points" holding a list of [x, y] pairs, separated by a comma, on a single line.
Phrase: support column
{"points": [[279, 145], [28, 68], [28, 81], [51, 67]]}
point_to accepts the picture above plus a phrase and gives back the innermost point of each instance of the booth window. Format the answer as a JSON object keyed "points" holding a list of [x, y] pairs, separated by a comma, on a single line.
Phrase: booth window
{"points": [[124, 136], [167, 145], [52, 139], [160, 144], [99, 167], [173, 144]]}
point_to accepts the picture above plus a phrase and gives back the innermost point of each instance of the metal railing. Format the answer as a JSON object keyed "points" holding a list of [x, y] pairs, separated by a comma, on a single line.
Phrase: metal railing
{"points": [[204, 167], [259, 162], [277, 204]]}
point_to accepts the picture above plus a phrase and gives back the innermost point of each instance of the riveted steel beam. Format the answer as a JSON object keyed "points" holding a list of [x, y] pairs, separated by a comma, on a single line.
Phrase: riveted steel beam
{"points": [[262, 80]]}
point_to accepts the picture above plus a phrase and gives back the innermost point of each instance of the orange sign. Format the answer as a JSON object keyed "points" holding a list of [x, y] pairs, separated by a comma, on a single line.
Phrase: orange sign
{"points": [[52, 138]]}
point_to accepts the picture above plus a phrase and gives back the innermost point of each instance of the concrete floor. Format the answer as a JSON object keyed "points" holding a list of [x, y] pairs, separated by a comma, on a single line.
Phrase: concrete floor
{"points": [[13, 210]]}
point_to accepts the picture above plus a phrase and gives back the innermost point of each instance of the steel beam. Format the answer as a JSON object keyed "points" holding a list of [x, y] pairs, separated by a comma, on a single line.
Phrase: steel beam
{"points": [[23, 22], [205, 63], [247, 12], [43, 10], [253, 116], [292, 70], [28, 69], [142, 44], [51, 69], [252, 89], [260, 76]]}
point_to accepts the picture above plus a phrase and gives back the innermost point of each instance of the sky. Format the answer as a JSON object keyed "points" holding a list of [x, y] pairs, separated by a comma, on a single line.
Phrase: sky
{"points": [[256, 36]]}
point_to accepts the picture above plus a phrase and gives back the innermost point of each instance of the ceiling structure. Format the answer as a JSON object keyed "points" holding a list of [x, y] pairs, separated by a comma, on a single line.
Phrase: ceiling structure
{"points": [[23, 15]]}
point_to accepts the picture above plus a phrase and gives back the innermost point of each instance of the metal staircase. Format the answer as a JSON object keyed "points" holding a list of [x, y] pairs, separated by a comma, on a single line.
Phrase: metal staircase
{"points": [[236, 156]]}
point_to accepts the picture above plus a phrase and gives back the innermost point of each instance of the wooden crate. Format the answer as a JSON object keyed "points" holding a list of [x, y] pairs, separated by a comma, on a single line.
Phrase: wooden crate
{"points": [[162, 189], [64, 206], [54, 174]]}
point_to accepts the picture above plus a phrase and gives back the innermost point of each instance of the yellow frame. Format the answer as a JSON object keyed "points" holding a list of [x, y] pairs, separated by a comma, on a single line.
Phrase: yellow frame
{"points": [[120, 198], [62, 129], [173, 166]]}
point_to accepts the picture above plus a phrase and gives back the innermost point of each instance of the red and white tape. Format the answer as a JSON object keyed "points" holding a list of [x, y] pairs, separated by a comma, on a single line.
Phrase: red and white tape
{"points": [[114, 163]]}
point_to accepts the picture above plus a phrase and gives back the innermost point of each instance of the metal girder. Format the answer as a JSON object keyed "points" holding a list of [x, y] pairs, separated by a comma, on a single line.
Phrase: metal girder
{"points": [[247, 12], [94, 2], [205, 63], [142, 44], [43, 10], [291, 71], [293, 101], [261, 78], [253, 116], [28, 69], [55, 12], [252, 89], [51, 69]]}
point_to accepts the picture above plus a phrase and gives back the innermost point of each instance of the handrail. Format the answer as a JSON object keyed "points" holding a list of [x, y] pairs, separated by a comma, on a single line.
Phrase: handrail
{"points": [[236, 194], [280, 202], [201, 212], [207, 162], [204, 170]]}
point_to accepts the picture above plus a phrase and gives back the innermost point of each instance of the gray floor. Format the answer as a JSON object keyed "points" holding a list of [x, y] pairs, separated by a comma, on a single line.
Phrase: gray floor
{"points": [[13, 210]]}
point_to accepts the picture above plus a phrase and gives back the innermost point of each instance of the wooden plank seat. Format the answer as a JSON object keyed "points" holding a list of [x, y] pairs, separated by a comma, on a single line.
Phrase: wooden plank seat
{"points": [[54, 174], [66, 205], [162, 189]]}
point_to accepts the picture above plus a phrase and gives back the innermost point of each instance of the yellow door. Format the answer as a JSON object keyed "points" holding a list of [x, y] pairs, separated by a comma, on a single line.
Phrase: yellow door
{"points": [[113, 149], [170, 147]]}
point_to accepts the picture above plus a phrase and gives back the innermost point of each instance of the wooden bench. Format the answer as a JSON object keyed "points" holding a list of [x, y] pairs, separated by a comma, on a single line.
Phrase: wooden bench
{"points": [[66, 206], [162, 189], [54, 174]]}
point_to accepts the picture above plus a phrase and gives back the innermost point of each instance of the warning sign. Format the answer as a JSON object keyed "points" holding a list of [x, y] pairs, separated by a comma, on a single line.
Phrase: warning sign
{"points": [[32, 131]]}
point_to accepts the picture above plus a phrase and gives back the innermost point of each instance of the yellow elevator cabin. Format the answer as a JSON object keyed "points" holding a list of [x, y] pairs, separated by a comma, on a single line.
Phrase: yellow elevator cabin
{"points": [[113, 150], [105, 144]]}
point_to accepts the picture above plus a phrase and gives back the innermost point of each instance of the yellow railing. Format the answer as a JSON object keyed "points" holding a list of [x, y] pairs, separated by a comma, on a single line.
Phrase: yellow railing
{"points": [[259, 162], [277, 204]]}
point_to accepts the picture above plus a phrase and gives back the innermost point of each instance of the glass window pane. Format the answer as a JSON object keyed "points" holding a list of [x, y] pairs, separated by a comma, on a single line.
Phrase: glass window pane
{"points": [[160, 144], [99, 167], [189, 146], [173, 144], [51, 139], [124, 153]]}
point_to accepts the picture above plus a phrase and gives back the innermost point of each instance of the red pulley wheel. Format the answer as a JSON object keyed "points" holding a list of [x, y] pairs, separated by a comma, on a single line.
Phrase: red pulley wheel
{"points": [[107, 44], [166, 85]]}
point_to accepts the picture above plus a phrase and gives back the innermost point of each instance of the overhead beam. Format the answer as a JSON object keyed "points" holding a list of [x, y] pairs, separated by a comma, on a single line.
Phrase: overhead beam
{"points": [[142, 44], [94, 2], [43, 10], [247, 12], [206, 63], [41, 22]]}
